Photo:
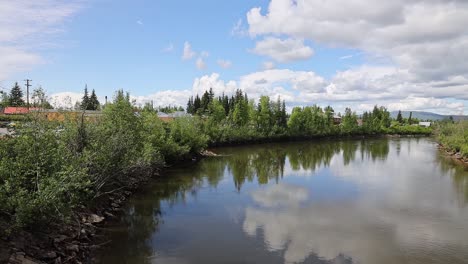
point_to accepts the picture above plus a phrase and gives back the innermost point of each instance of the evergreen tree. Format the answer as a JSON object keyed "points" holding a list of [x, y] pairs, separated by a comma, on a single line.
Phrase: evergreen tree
{"points": [[190, 105], [410, 117], [211, 95], [284, 116], [399, 117], [85, 100], [196, 104], [93, 102], [226, 104], [16, 96], [205, 101]]}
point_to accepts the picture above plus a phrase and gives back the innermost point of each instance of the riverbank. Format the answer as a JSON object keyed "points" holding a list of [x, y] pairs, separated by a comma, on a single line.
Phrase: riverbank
{"points": [[72, 242], [456, 156]]}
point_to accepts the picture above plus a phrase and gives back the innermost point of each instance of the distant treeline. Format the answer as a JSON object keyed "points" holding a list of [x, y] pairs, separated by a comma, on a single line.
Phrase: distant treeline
{"points": [[236, 118]]}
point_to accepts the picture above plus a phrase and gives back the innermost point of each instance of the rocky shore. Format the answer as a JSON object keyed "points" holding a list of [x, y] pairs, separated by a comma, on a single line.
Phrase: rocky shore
{"points": [[73, 242], [457, 156]]}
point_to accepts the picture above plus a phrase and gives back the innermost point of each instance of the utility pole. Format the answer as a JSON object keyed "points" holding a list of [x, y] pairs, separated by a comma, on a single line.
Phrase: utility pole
{"points": [[27, 91]]}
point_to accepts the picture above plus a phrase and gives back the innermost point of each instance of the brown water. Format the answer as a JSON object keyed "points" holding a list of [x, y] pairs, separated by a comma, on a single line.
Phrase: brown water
{"points": [[370, 201]]}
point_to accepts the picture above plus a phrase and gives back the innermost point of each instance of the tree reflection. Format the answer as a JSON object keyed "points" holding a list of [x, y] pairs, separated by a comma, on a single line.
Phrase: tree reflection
{"points": [[259, 163], [459, 175], [267, 162]]}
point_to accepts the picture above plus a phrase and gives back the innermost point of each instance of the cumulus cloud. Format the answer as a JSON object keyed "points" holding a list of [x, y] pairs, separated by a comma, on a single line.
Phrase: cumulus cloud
{"points": [[359, 88], [238, 29], [204, 83], [225, 64], [164, 98], [188, 53], [65, 100], [426, 39], [26, 22], [268, 65], [287, 50], [200, 63]]}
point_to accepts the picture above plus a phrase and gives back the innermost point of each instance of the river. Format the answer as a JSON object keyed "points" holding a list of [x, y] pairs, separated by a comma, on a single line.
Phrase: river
{"points": [[367, 201]]}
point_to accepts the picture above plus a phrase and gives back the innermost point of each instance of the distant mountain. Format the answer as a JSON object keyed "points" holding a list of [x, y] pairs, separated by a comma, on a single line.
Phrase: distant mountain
{"points": [[427, 115]]}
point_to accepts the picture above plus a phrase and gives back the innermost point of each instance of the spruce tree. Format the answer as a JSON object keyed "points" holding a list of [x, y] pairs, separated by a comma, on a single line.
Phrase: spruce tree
{"points": [[190, 105], [16, 96], [410, 117], [93, 102], [85, 102], [399, 117], [196, 104]]}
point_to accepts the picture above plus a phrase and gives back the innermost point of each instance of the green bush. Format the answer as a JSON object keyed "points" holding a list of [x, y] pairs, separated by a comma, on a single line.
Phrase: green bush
{"points": [[40, 179]]}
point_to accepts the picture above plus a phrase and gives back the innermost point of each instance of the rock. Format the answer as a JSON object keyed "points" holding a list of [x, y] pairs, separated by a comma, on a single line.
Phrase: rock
{"points": [[94, 218], [60, 238], [49, 255], [21, 259], [109, 215], [58, 260], [73, 248]]}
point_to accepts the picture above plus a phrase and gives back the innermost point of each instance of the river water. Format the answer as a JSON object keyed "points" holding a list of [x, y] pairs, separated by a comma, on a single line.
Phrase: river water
{"points": [[354, 201]]}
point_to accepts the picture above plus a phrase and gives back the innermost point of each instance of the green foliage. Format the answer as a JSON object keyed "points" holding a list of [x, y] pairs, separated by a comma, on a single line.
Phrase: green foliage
{"points": [[454, 136], [349, 122], [40, 179], [9, 118], [16, 96], [39, 99]]}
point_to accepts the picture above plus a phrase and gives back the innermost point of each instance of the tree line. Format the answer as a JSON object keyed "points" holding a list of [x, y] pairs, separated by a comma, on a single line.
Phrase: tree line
{"points": [[238, 118]]}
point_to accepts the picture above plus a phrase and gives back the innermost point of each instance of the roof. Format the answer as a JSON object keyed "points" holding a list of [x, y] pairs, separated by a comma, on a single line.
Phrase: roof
{"points": [[10, 110]]}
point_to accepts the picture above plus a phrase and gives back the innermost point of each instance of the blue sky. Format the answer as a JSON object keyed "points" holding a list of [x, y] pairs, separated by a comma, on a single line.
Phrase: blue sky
{"points": [[307, 52]]}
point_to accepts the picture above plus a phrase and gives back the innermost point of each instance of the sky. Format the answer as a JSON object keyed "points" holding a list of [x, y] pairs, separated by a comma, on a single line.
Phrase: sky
{"points": [[405, 55]]}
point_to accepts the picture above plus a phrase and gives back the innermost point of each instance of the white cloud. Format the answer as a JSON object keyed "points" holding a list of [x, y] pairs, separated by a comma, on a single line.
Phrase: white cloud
{"points": [[200, 63], [65, 100], [204, 54], [139, 22], [225, 64], [164, 98], [16, 59], [26, 25], [188, 53], [425, 39], [283, 50], [359, 88], [238, 29], [204, 83], [268, 65]]}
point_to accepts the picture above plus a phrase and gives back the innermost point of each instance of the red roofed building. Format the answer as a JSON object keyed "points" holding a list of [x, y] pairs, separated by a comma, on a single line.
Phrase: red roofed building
{"points": [[11, 110]]}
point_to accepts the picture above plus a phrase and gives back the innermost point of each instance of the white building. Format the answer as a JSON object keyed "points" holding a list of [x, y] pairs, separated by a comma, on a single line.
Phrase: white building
{"points": [[425, 124]]}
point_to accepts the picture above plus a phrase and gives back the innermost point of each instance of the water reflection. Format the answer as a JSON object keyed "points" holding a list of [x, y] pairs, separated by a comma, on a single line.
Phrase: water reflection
{"points": [[356, 201]]}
